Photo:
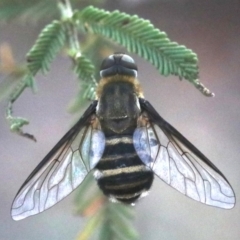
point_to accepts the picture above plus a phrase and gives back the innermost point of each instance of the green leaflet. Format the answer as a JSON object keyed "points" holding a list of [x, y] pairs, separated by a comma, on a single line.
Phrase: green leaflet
{"points": [[26, 11], [140, 36], [32, 12], [49, 43], [85, 71], [84, 68], [117, 224], [16, 123]]}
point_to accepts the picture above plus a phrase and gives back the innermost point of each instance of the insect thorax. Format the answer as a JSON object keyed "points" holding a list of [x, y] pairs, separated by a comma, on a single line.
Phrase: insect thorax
{"points": [[118, 106]]}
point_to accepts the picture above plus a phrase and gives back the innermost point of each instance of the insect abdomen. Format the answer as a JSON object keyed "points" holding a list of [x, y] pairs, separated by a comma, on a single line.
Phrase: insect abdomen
{"points": [[122, 176]]}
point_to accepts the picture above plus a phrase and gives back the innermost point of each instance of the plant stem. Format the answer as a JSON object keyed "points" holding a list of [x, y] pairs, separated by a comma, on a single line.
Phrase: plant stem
{"points": [[72, 36]]}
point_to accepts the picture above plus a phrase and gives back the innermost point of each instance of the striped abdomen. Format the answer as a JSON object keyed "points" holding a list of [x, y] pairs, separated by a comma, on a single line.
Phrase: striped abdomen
{"points": [[123, 176]]}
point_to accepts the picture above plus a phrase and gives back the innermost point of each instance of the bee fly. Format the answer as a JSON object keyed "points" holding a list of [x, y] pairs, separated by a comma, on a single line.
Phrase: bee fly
{"points": [[126, 142]]}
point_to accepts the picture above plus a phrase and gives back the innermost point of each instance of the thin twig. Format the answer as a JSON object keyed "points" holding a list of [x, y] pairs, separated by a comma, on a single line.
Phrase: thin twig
{"points": [[72, 36]]}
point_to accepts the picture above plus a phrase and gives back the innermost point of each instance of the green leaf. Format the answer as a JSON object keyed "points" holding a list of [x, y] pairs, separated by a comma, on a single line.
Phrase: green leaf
{"points": [[16, 124], [85, 71], [140, 36], [26, 81], [11, 9], [49, 43], [117, 224], [27, 11], [31, 12], [84, 68]]}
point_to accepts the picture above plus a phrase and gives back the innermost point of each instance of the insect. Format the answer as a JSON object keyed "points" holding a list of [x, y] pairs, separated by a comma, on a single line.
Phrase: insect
{"points": [[126, 142]]}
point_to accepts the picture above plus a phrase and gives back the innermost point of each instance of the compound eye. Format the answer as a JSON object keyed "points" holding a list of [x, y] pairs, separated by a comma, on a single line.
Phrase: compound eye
{"points": [[127, 58], [128, 62], [118, 63], [107, 62]]}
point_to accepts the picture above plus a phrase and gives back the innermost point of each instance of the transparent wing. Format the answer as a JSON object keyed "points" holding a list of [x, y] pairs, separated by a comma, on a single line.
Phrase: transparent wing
{"points": [[63, 169], [177, 162]]}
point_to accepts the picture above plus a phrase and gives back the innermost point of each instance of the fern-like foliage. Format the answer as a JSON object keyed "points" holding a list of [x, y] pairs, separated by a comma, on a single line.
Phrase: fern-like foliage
{"points": [[141, 37], [108, 220], [84, 68], [32, 12], [27, 11], [49, 43], [26, 81], [16, 123], [85, 71], [12, 9], [117, 222]]}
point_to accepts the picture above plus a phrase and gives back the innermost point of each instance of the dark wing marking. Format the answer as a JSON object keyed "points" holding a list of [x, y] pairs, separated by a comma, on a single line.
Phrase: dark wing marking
{"points": [[177, 162], [63, 169]]}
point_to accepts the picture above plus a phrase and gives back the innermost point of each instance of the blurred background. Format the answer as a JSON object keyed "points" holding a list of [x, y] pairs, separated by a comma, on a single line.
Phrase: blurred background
{"points": [[209, 28]]}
